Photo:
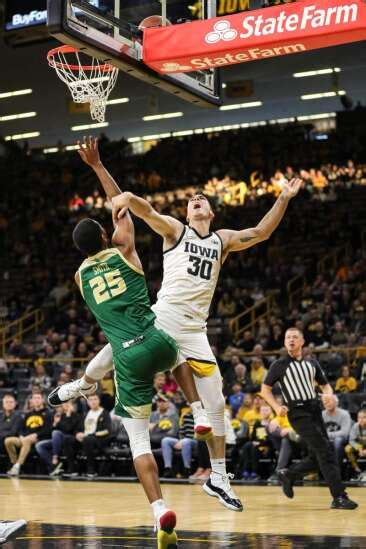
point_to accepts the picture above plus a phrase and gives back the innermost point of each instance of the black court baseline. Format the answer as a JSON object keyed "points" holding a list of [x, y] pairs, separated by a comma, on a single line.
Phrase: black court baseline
{"points": [[62, 536]]}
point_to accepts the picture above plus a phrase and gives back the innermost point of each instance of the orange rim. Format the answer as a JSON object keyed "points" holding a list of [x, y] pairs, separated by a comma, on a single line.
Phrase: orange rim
{"points": [[70, 49]]}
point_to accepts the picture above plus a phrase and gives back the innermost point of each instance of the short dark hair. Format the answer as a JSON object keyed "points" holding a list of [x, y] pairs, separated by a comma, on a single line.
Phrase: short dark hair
{"points": [[87, 236]]}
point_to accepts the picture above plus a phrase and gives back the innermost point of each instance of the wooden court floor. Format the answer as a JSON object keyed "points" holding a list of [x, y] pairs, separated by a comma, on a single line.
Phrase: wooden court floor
{"points": [[67, 514]]}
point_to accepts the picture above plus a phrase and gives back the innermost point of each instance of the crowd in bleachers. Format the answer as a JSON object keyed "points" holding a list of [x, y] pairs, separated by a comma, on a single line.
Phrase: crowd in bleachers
{"points": [[35, 235]]}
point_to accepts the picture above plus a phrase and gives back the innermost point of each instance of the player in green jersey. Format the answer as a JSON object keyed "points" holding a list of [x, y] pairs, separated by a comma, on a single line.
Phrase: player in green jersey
{"points": [[113, 285]]}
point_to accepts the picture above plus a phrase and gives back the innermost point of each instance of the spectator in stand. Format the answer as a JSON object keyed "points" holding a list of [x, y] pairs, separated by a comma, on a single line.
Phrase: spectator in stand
{"points": [[245, 407], [170, 386], [107, 397], [5, 382], [240, 370], [258, 446], [318, 336], [338, 424], [345, 383], [10, 419], [203, 471], [339, 337], [163, 422], [186, 444], [247, 343], [284, 439], [36, 425], [357, 442], [236, 399], [257, 373], [97, 429], [254, 414], [60, 291], [40, 379], [258, 353], [358, 322], [159, 382], [64, 355], [276, 340], [226, 307], [66, 423]]}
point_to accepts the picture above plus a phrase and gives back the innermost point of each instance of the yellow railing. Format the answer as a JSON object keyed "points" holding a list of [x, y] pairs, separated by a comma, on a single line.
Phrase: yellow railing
{"points": [[332, 260], [295, 288], [248, 319], [17, 328]]}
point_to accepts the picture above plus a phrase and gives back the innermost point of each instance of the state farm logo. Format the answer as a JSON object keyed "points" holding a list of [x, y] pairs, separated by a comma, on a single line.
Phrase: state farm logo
{"points": [[222, 31]]}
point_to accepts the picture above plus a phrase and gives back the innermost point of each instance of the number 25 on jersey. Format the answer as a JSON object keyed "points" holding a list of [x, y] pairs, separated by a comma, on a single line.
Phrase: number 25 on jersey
{"points": [[107, 286]]}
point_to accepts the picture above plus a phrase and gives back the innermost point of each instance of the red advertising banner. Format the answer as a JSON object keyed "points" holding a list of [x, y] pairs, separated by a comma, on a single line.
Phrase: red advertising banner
{"points": [[259, 34]]}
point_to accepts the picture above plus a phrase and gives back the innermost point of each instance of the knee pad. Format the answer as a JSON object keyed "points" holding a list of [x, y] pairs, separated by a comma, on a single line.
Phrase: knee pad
{"points": [[139, 436], [210, 392], [100, 364]]}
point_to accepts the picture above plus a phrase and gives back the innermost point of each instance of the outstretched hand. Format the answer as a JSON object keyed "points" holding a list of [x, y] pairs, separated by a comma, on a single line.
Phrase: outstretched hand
{"points": [[292, 187], [88, 150], [120, 205]]}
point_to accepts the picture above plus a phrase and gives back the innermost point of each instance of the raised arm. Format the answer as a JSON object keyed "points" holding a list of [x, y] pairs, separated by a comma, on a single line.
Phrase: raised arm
{"points": [[88, 151], [167, 227], [235, 241]]}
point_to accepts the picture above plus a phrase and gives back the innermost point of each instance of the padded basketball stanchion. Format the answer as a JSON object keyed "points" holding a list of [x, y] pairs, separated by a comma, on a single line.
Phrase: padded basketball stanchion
{"points": [[88, 83], [254, 35]]}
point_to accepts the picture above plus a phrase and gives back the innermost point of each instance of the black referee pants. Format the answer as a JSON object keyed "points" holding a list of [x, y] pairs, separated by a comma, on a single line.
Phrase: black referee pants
{"points": [[308, 422]]}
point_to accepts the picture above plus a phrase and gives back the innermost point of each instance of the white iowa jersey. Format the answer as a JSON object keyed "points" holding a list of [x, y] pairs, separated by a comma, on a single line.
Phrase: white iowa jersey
{"points": [[191, 270]]}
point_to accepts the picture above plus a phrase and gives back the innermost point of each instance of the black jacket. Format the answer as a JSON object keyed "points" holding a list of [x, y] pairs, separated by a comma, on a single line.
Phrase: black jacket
{"points": [[10, 425], [70, 425]]}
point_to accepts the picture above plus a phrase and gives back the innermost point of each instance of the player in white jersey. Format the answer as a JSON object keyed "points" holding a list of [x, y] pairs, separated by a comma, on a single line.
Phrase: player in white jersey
{"points": [[193, 256]]}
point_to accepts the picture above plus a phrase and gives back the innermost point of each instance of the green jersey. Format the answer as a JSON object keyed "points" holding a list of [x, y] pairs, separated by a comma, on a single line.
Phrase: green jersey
{"points": [[116, 293]]}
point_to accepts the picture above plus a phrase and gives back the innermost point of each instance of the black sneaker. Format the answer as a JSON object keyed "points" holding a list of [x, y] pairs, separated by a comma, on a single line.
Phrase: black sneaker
{"points": [[343, 502], [287, 483], [224, 492], [168, 473]]}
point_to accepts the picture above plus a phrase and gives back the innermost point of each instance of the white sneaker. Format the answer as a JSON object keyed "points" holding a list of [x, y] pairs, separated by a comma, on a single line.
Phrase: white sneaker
{"points": [[69, 391], [202, 425], [14, 470], [218, 486], [9, 528]]}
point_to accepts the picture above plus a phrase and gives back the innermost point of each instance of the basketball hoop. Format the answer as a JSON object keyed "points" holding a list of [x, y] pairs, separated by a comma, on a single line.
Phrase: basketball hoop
{"points": [[91, 83]]}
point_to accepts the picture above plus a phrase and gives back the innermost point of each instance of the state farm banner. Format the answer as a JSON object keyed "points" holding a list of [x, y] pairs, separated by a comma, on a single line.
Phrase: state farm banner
{"points": [[249, 36]]}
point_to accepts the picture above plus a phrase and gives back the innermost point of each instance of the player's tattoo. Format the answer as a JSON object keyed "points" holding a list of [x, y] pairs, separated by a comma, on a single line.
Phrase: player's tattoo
{"points": [[247, 239]]}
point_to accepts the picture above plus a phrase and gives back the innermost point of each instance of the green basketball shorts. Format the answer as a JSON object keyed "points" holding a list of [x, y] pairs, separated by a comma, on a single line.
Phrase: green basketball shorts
{"points": [[135, 368]]}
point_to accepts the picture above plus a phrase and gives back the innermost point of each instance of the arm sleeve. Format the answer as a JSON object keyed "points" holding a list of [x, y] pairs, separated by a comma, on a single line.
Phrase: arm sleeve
{"points": [[354, 436], [320, 376], [273, 374], [345, 423]]}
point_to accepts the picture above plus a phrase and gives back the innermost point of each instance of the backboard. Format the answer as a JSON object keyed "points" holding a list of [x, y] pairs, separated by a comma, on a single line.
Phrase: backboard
{"points": [[108, 30]]}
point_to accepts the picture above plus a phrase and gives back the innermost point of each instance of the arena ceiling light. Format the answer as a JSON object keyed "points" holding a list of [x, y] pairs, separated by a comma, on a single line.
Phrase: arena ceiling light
{"points": [[309, 96], [316, 72], [161, 116], [9, 117], [71, 147], [89, 126], [156, 136], [248, 105], [5, 95], [50, 150], [118, 101], [17, 136], [319, 116]]}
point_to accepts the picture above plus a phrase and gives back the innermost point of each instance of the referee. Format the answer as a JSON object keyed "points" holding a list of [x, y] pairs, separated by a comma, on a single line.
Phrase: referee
{"points": [[297, 378]]}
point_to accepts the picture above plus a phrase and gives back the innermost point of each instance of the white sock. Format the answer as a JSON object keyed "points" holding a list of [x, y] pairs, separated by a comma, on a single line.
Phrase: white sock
{"points": [[83, 384], [218, 467], [158, 508], [196, 408]]}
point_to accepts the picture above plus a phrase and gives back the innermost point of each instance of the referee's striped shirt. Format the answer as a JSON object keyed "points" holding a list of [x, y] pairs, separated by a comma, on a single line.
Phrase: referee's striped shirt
{"points": [[297, 379]]}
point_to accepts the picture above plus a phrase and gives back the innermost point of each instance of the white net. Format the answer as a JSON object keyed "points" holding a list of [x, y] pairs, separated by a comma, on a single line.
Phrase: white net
{"points": [[88, 83]]}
